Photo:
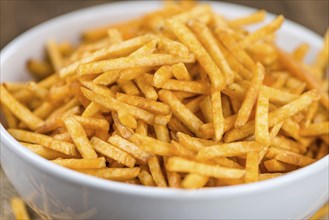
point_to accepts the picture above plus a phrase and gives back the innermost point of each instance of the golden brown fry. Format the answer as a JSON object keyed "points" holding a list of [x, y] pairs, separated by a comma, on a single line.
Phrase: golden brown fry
{"points": [[119, 174], [44, 151], [146, 88], [151, 145], [55, 55], [19, 209], [255, 17], [146, 178], [261, 119], [194, 181], [81, 163], [217, 115], [156, 172], [252, 167], [180, 111], [178, 164], [316, 129], [288, 157], [180, 72], [79, 137], [19, 110]]}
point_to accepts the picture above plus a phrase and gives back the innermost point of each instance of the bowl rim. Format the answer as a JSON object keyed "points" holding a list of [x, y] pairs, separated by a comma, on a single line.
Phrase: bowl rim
{"points": [[169, 193]]}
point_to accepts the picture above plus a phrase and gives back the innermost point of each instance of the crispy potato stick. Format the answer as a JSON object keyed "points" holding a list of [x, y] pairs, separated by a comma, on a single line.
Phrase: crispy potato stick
{"points": [[266, 176], [19, 110], [146, 178], [187, 37], [11, 120], [262, 32], [261, 119], [107, 78], [142, 127], [279, 96], [55, 55], [94, 123], [162, 133], [316, 129], [196, 11], [229, 150], [110, 151], [180, 72], [122, 129], [194, 104], [131, 148], [300, 52], [114, 50], [119, 174], [103, 90], [18, 208], [210, 43], [173, 47], [151, 145], [79, 137], [156, 172], [225, 162], [275, 116], [194, 181], [179, 150], [180, 111], [178, 164], [81, 163], [252, 167], [127, 119], [207, 130], [301, 73], [187, 86], [251, 96], [189, 142], [321, 60], [206, 109], [114, 35], [129, 62], [275, 166], [180, 95], [175, 125], [128, 87], [217, 115], [114, 105], [173, 178], [255, 17], [91, 110], [146, 88], [286, 144], [311, 111], [49, 142], [162, 75], [288, 157], [149, 105], [44, 151], [39, 69]]}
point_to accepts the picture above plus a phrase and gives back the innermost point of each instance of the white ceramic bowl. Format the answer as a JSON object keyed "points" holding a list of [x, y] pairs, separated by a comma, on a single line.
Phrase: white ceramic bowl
{"points": [[59, 193]]}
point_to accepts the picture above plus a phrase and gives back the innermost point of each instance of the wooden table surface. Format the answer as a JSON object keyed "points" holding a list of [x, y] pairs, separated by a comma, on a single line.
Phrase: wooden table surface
{"points": [[18, 16]]}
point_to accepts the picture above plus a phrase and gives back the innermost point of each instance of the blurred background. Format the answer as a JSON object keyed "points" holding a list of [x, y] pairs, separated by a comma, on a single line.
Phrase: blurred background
{"points": [[18, 16]]}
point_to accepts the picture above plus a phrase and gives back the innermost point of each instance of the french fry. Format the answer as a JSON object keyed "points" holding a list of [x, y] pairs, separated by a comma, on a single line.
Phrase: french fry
{"points": [[316, 129], [19, 110], [151, 145], [217, 115], [149, 105], [262, 32], [107, 78], [162, 133], [209, 42], [173, 47], [261, 119], [129, 62], [146, 178], [34, 138], [142, 128], [229, 150], [19, 209], [187, 37], [178, 164], [194, 181], [146, 88], [178, 150], [79, 137], [275, 166], [180, 111], [251, 96], [114, 105], [275, 116], [128, 87], [43, 151], [189, 142], [206, 109], [180, 72], [122, 129], [81, 163], [55, 55], [255, 17], [11, 120], [177, 126], [300, 52], [194, 104], [130, 148], [156, 172], [251, 167], [110, 151], [39, 69], [173, 178], [321, 60], [127, 119], [288, 157], [119, 174]]}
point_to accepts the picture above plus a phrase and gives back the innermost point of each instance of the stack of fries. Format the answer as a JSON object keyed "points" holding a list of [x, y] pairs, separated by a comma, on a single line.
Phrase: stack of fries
{"points": [[180, 97]]}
